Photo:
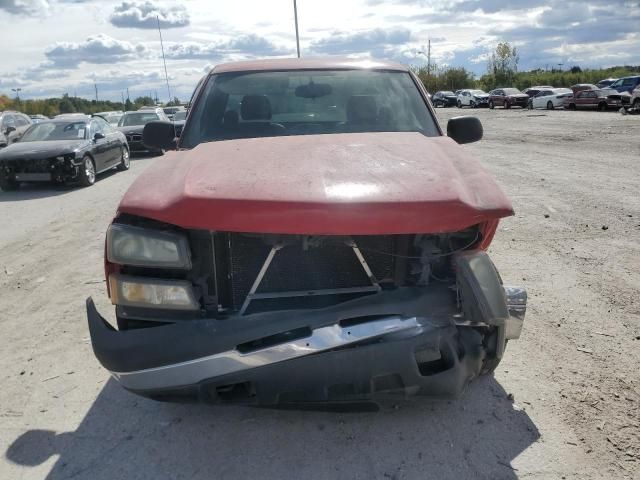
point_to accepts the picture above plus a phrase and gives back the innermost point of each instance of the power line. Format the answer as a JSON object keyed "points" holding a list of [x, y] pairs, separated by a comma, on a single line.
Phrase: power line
{"points": [[166, 75]]}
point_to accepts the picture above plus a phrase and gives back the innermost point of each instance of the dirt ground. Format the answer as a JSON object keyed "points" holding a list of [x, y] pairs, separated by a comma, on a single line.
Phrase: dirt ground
{"points": [[564, 403]]}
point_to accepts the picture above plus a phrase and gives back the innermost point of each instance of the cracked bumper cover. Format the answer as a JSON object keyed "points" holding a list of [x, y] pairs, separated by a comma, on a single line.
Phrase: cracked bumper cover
{"points": [[334, 361]]}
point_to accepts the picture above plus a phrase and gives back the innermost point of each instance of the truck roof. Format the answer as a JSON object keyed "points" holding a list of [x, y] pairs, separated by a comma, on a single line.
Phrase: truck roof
{"points": [[325, 63]]}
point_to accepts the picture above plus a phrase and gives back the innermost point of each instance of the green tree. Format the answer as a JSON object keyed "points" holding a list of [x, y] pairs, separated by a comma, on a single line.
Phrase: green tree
{"points": [[502, 66], [65, 105]]}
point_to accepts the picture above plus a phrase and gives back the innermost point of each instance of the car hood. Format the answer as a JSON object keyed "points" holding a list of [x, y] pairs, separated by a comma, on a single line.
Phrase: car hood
{"points": [[39, 150], [132, 129], [480, 95], [339, 184], [518, 95]]}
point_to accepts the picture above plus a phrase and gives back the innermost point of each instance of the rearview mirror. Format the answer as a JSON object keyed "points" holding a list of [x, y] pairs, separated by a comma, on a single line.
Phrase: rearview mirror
{"points": [[98, 136], [9, 130], [465, 129], [159, 135]]}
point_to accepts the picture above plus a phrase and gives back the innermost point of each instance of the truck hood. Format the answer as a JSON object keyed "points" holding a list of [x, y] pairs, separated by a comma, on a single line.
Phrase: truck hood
{"points": [[339, 184]]}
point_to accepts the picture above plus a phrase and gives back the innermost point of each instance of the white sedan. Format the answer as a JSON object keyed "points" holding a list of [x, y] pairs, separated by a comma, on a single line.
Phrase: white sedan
{"points": [[550, 98]]}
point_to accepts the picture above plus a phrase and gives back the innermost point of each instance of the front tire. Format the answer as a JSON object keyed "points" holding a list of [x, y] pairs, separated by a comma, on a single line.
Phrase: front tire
{"points": [[87, 175], [572, 106], [636, 104], [602, 107], [7, 185], [530, 105], [491, 105], [125, 161], [459, 104], [549, 105], [472, 104]]}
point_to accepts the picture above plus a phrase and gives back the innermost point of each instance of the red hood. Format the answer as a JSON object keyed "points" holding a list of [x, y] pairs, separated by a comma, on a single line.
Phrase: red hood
{"points": [[359, 183]]}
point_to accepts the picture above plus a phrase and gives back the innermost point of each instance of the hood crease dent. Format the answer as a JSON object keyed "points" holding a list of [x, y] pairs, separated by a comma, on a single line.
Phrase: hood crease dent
{"points": [[337, 184]]}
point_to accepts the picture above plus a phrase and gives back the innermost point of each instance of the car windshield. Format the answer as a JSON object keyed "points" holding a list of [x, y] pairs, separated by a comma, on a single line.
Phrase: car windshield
{"points": [[446, 94], [511, 91], [138, 118], [55, 131], [181, 115], [281, 103], [478, 92]]}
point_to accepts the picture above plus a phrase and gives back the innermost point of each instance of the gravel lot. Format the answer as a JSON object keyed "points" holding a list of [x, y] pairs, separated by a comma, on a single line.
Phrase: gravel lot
{"points": [[564, 403]]}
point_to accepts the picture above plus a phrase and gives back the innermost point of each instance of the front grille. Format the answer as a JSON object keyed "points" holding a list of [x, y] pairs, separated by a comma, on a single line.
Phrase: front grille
{"points": [[302, 265]]}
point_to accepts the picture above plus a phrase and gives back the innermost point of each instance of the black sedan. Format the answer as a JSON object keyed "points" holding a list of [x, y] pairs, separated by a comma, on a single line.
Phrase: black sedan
{"points": [[444, 98], [63, 150], [132, 124]]}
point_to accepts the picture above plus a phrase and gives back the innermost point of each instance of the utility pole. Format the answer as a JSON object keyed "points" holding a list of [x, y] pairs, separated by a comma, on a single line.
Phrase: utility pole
{"points": [[17, 90], [95, 85], [128, 98], [429, 58], [295, 15], [166, 75], [122, 94]]}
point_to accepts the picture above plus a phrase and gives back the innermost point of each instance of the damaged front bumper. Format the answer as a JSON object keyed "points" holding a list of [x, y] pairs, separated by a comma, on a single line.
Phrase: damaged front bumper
{"points": [[353, 352], [61, 168]]}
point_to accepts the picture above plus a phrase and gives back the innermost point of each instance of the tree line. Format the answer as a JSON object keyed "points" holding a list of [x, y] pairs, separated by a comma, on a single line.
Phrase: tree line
{"points": [[502, 71], [66, 104]]}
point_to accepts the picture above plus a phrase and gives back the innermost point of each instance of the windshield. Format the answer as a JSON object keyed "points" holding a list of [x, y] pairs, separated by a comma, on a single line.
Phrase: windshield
{"points": [[138, 118], [55, 131], [182, 115], [478, 92], [511, 91], [446, 94], [280, 103]]}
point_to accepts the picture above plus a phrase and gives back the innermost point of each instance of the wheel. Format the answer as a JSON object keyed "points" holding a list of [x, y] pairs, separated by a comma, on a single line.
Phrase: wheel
{"points": [[491, 362], [459, 104], [125, 162], [472, 104], [507, 105], [549, 105], [8, 185], [87, 175], [636, 104], [530, 105], [602, 106], [491, 105], [572, 106]]}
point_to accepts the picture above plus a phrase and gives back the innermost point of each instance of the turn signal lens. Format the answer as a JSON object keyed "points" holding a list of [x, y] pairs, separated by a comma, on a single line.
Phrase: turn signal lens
{"points": [[152, 292]]}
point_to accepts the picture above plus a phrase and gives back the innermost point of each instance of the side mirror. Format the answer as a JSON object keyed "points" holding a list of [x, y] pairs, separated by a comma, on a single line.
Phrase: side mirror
{"points": [[465, 129], [98, 136], [9, 130], [159, 135]]}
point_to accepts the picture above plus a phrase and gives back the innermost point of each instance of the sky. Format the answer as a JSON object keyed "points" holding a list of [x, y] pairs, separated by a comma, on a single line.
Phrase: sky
{"points": [[52, 47]]}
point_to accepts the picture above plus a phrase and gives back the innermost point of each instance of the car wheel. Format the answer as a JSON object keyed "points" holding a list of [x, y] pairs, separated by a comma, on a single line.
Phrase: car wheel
{"points": [[491, 105], [8, 185], [125, 161], [87, 174], [530, 105], [549, 105], [459, 104], [472, 104], [572, 106], [507, 105], [602, 106], [636, 104]]}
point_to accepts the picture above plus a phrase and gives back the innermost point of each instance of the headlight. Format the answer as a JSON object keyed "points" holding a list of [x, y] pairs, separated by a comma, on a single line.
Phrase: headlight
{"points": [[152, 292], [143, 247]]}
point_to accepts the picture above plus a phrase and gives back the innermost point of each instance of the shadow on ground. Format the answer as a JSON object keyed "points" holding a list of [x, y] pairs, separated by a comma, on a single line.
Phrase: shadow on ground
{"points": [[30, 191], [123, 436]]}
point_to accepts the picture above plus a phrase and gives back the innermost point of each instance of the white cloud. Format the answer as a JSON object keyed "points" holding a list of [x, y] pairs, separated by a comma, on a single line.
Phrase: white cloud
{"points": [[148, 14]]}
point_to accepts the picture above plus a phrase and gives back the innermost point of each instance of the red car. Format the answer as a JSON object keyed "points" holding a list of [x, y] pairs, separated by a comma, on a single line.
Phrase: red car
{"points": [[313, 236], [593, 99], [507, 98]]}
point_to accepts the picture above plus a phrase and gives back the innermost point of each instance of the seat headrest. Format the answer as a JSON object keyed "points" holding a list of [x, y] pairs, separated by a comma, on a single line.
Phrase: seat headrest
{"points": [[255, 107], [362, 109]]}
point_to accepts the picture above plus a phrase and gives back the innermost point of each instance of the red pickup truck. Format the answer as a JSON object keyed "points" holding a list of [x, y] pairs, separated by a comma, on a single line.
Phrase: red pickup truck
{"points": [[312, 236]]}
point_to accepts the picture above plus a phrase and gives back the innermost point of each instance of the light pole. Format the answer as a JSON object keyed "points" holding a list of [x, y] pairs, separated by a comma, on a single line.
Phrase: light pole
{"points": [[560, 65], [17, 90], [295, 15]]}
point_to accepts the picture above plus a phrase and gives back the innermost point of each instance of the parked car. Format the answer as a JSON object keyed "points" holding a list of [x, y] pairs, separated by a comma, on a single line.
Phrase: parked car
{"points": [[507, 98], [62, 151], [112, 117], [626, 84], [592, 99], [132, 124], [12, 127], [550, 98], [635, 99], [444, 98], [260, 263], [38, 118], [606, 82], [473, 99], [579, 87], [533, 91], [178, 120], [171, 111]]}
